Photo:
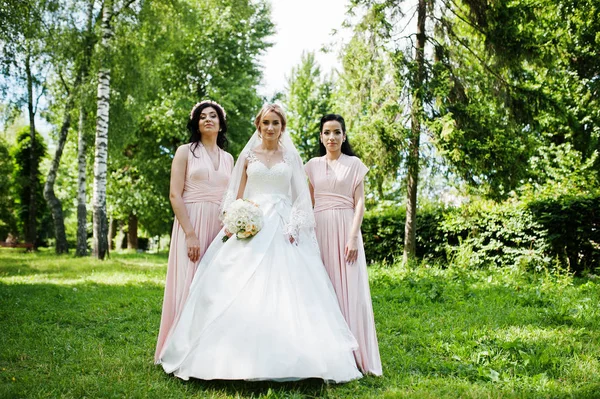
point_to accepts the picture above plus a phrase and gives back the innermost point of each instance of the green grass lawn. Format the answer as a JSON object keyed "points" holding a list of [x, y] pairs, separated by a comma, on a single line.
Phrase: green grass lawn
{"points": [[79, 328]]}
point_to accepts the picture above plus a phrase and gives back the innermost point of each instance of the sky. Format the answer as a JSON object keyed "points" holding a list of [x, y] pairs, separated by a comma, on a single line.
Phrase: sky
{"points": [[300, 26]]}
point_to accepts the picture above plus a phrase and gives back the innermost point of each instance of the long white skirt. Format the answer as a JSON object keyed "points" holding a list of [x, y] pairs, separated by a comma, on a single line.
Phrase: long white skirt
{"points": [[261, 309]]}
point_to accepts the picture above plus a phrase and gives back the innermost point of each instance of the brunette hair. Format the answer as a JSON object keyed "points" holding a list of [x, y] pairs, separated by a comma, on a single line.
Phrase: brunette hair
{"points": [[346, 147], [194, 120]]}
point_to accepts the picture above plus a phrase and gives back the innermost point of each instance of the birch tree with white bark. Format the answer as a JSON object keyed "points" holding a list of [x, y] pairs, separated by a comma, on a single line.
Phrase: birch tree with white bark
{"points": [[100, 232]]}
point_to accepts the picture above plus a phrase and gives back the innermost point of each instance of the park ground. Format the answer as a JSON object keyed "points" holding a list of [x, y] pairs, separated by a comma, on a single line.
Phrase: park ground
{"points": [[82, 328]]}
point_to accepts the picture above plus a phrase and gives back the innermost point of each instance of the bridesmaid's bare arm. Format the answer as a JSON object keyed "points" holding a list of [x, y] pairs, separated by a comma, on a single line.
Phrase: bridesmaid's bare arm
{"points": [[178, 171], [351, 251]]}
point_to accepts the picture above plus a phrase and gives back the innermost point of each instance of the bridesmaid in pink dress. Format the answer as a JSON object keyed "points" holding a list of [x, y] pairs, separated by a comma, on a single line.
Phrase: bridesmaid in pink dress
{"points": [[336, 186], [199, 177]]}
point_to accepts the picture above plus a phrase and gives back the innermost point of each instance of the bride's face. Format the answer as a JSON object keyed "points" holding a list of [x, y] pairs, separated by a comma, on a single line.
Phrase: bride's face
{"points": [[270, 127]]}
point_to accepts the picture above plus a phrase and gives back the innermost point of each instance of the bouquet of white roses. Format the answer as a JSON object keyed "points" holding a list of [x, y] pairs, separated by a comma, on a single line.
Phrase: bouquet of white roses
{"points": [[243, 218]]}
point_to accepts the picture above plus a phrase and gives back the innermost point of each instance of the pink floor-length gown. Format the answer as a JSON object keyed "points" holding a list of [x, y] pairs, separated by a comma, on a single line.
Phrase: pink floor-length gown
{"points": [[202, 193], [334, 188]]}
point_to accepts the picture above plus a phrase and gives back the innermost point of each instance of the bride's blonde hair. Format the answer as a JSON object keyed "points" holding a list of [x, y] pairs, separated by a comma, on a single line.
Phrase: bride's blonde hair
{"points": [[270, 108]]}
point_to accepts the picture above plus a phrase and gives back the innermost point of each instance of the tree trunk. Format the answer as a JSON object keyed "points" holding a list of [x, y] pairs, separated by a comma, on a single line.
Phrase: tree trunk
{"points": [[100, 248], [81, 140], [112, 232], [132, 232], [81, 186], [410, 228], [122, 244], [31, 226], [49, 195]]}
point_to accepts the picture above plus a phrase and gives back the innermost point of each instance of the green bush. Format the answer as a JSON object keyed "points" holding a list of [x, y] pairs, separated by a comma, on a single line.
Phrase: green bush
{"points": [[503, 234], [383, 233], [572, 225], [539, 233]]}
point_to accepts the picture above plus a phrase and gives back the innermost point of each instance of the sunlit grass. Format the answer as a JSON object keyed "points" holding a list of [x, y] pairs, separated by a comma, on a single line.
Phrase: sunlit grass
{"points": [[82, 328], [18, 267]]}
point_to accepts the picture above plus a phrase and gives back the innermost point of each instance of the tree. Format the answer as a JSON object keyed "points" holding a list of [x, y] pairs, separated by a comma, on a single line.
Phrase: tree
{"points": [[186, 65], [307, 99], [368, 95], [88, 42], [71, 48], [21, 154], [54, 203], [7, 203], [100, 228], [516, 87], [418, 94], [22, 41]]}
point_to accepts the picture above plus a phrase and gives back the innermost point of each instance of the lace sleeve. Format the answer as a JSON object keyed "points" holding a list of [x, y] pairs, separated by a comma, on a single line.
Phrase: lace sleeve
{"points": [[299, 219], [301, 216]]}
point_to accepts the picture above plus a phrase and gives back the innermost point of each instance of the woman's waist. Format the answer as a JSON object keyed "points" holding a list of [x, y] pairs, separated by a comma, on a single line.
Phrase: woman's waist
{"points": [[329, 201], [206, 195], [272, 204], [268, 197]]}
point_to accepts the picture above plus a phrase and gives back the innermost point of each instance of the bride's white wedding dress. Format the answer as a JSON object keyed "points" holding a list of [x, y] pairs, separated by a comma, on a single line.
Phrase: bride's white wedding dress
{"points": [[262, 308]]}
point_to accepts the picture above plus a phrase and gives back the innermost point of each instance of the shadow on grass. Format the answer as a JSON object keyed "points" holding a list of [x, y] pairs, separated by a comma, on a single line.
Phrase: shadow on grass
{"points": [[55, 332], [312, 387], [18, 269]]}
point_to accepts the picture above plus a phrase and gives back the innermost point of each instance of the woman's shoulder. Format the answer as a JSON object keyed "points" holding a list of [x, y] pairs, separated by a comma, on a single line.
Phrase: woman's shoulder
{"points": [[353, 159], [227, 155], [356, 164], [249, 153], [183, 150], [315, 160]]}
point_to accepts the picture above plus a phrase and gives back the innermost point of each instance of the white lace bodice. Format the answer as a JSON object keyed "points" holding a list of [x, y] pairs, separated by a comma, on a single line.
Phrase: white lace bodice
{"points": [[263, 180], [282, 186]]}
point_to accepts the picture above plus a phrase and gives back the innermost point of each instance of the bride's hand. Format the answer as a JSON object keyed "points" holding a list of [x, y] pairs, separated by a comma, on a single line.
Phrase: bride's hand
{"points": [[228, 233], [351, 250], [193, 247]]}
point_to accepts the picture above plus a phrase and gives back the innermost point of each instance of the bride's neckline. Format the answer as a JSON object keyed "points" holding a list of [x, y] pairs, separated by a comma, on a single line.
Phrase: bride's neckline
{"points": [[255, 158]]}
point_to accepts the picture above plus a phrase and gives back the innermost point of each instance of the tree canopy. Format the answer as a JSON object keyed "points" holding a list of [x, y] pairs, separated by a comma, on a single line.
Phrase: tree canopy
{"points": [[508, 94]]}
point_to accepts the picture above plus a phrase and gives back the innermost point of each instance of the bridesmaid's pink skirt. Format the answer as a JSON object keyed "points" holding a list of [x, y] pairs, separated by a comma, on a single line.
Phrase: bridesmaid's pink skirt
{"points": [[180, 271], [351, 284]]}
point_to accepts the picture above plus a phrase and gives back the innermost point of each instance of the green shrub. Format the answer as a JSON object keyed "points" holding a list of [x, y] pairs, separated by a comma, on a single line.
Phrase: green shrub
{"points": [[383, 233], [495, 234], [534, 234], [572, 225]]}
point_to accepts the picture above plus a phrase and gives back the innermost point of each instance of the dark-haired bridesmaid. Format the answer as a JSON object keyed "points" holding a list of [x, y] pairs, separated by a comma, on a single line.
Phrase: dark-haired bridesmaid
{"points": [[337, 189], [199, 177]]}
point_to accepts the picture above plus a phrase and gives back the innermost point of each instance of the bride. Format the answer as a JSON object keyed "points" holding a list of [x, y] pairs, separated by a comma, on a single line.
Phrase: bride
{"points": [[264, 308]]}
